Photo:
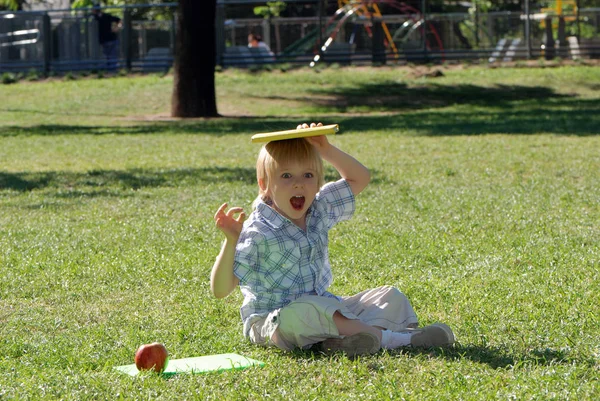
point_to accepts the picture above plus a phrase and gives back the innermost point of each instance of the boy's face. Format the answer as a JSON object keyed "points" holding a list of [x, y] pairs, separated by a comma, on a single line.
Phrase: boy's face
{"points": [[292, 189]]}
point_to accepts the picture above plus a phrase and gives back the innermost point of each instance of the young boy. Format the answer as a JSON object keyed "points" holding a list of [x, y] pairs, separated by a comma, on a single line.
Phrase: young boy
{"points": [[279, 258]]}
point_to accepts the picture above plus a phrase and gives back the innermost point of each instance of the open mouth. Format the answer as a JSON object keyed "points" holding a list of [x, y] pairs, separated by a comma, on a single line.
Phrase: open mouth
{"points": [[297, 202]]}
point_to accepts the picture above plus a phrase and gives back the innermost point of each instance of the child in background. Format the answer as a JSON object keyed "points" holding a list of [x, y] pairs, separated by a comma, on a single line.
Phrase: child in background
{"points": [[255, 40], [279, 258], [263, 51]]}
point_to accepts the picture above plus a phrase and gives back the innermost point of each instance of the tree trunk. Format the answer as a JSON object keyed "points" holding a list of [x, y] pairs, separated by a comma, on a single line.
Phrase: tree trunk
{"points": [[195, 54]]}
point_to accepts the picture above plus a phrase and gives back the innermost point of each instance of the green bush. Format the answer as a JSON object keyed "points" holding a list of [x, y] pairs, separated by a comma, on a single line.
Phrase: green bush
{"points": [[32, 75], [8, 78]]}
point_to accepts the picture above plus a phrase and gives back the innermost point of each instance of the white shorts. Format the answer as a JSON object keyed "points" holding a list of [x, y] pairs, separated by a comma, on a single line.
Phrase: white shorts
{"points": [[309, 319]]}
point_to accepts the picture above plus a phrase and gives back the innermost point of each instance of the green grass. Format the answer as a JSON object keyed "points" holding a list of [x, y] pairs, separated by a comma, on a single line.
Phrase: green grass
{"points": [[484, 210]]}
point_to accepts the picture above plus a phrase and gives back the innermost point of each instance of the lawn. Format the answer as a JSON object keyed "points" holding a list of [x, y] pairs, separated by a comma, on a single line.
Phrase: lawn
{"points": [[484, 210]]}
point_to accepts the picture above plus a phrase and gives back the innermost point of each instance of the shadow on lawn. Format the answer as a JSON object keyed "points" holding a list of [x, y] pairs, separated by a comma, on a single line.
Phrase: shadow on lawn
{"points": [[214, 126], [562, 116], [582, 118], [395, 96], [110, 182], [496, 358], [75, 183]]}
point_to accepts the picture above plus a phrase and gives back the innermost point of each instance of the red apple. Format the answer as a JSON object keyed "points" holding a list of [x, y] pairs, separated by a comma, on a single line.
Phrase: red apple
{"points": [[151, 357]]}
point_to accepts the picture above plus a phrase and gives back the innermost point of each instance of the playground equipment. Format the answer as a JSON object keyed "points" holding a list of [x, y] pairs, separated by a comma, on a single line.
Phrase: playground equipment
{"points": [[558, 10], [554, 18], [551, 47], [368, 13], [551, 19]]}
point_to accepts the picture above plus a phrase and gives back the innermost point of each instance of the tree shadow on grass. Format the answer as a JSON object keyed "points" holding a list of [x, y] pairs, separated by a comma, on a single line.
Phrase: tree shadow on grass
{"points": [[97, 180], [499, 358], [214, 126], [561, 116], [427, 109], [111, 182], [580, 118], [399, 96]]}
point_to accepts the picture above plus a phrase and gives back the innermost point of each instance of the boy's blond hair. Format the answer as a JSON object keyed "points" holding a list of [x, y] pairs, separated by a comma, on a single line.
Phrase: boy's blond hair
{"points": [[275, 153]]}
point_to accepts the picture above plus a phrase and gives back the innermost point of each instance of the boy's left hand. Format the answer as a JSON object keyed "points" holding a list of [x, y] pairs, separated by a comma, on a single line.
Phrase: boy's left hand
{"points": [[228, 223]]}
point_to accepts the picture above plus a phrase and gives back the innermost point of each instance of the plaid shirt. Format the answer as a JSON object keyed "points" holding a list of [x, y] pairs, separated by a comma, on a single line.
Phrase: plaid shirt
{"points": [[277, 262]]}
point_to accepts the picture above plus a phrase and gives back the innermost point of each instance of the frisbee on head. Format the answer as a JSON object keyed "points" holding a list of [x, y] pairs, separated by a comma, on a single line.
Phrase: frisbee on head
{"points": [[295, 133]]}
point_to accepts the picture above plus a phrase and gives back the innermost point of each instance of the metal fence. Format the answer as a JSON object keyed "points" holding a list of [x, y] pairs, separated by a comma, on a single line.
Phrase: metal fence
{"points": [[400, 32], [308, 32], [67, 40]]}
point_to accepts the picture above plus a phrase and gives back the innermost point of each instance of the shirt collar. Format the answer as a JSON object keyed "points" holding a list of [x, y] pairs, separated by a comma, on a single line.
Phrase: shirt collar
{"points": [[272, 218]]}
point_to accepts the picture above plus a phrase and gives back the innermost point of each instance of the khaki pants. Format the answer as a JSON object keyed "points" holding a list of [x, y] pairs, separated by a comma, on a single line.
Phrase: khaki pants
{"points": [[309, 319]]}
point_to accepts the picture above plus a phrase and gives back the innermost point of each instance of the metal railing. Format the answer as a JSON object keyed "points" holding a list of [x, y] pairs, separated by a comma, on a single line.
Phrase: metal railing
{"points": [[57, 41], [344, 32], [398, 32]]}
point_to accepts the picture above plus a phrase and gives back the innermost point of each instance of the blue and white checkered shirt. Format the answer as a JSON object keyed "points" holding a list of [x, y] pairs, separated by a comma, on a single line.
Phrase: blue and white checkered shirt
{"points": [[277, 262]]}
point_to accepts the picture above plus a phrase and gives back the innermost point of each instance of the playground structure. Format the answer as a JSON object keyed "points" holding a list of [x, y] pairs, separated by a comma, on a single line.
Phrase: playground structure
{"points": [[558, 9], [550, 47], [368, 15], [370, 12]]}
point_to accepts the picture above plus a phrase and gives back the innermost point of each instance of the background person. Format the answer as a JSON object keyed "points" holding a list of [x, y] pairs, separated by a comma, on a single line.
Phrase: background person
{"points": [[255, 40], [264, 51], [108, 27]]}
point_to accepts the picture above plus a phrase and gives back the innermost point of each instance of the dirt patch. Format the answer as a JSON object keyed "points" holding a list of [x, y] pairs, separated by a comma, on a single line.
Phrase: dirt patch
{"points": [[425, 72]]}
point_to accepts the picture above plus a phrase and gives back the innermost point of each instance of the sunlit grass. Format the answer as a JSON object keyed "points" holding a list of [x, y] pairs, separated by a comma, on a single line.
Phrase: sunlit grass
{"points": [[483, 209]]}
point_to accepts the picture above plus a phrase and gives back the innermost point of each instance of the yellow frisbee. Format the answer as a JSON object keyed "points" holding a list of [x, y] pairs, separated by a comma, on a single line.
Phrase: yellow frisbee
{"points": [[295, 133]]}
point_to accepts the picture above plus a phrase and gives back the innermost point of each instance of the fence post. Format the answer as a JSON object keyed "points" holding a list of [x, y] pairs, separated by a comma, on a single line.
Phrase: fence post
{"points": [[127, 38], [320, 10], [266, 31], [528, 29], [562, 37], [220, 33], [476, 24], [47, 35], [549, 45], [86, 35], [378, 57], [424, 18], [577, 19], [172, 32]]}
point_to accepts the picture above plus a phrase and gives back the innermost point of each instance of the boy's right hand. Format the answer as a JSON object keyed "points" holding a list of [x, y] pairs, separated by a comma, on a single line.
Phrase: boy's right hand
{"points": [[228, 224], [320, 143]]}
